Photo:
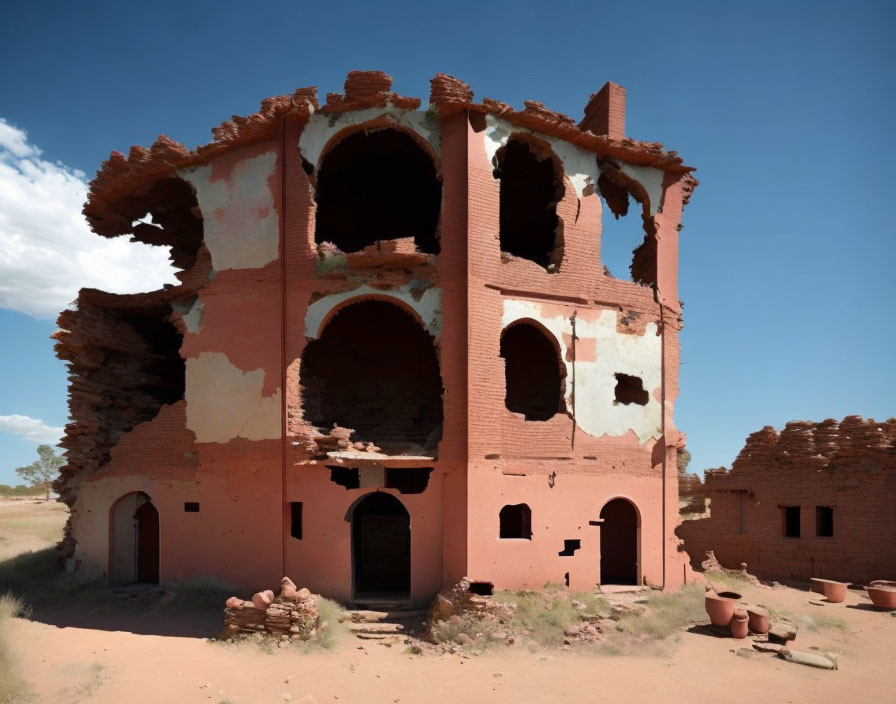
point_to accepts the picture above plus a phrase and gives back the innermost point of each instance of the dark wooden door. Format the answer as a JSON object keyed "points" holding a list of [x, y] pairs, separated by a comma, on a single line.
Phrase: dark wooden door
{"points": [[619, 543], [382, 546], [147, 518]]}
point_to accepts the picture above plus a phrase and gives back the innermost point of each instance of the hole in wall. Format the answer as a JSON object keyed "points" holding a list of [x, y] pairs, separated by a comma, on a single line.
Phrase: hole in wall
{"points": [[374, 369], [531, 187], [482, 588], [191, 507], [630, 389], [534, 375], [408, 480], [345, 477], [378, 185], [627, 248], [570, 547], [515, 521], [169, 215]]}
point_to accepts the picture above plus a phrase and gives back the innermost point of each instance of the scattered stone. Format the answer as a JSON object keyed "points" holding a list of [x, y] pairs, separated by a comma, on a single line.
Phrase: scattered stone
{"points": [[801, 657], [782, 632], [768, 647], [746, 653]]}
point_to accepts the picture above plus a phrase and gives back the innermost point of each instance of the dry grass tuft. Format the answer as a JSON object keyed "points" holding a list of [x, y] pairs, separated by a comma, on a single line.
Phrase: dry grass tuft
{"points": [[13, 689]]}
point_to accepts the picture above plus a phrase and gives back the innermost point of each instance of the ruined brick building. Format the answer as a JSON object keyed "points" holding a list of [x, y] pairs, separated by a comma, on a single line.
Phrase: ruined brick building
{"points": [[815, 500], [394, 358]]}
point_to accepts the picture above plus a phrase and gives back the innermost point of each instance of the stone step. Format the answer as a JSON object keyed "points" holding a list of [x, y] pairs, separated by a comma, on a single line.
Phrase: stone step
{"points": [[376, 636], [377, 628], [363, 616], [368, 616]]}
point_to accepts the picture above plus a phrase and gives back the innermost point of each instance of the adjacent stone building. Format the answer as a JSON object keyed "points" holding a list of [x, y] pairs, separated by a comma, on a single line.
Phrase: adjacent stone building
{"points": [[815, 500], [394, 358]]}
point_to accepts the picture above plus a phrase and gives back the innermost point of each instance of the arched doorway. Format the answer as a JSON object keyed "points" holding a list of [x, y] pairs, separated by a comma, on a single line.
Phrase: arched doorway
{"points": [[619, 543], [381, 548], [134, 540]]}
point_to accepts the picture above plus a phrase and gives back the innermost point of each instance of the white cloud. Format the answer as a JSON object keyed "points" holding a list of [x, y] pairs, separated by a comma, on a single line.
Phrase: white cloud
{"points": [[47, 251], [32, 429]]}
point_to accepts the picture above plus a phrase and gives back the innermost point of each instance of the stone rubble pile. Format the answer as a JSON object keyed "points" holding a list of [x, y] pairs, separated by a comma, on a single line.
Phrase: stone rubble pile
{"points": [[293, 614]]}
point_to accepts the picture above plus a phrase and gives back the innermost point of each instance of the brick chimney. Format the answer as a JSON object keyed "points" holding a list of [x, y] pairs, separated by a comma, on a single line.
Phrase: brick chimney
{"points": [[605, 112]]}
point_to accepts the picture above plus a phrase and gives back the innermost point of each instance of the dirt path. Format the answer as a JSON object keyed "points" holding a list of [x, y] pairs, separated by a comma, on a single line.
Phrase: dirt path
{"points": [[70, 664]]}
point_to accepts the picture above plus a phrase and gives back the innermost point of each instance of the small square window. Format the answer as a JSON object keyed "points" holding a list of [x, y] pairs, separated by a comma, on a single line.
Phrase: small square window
{"points": [[191, 507], [295, 522], [791, 515], [824, 521]]}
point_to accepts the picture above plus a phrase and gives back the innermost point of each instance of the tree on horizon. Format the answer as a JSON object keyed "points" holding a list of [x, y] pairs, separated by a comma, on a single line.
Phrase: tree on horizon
{"points": [[43, 471]]}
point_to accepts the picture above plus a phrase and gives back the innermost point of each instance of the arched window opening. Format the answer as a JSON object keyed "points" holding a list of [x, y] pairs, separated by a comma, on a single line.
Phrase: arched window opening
{"points": [[378, 185], [533, 372], [374, 369], [531, 187], [515, 522], [627, 248]]}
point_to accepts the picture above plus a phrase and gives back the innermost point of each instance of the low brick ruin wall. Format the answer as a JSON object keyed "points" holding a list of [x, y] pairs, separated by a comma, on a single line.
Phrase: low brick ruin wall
{"points": [[815, 500]]}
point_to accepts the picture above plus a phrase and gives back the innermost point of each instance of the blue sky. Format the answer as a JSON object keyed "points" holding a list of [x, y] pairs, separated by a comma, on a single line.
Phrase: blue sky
{"points": [[786, 109]]}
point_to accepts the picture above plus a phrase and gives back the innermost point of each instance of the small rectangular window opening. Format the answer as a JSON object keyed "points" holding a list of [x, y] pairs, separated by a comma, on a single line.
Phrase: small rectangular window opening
{"points": [[191, 507], [824, 521], [295, 520], [791, 515]]}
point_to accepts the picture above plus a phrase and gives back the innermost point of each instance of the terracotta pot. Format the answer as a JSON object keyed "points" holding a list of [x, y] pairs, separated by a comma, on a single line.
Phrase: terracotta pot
{"points": [[739, 624], [882, 593], [835, 592], [720, 607], [758, 619]]}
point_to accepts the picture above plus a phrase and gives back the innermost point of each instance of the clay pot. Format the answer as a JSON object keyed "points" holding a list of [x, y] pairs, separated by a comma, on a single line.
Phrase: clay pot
{"points": [[834, 592], [720, 607], [882, 593], [739, 624], [758, 619]]}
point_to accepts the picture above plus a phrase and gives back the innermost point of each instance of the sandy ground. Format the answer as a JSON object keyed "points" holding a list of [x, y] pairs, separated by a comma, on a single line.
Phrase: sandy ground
{"points": [[27, 524], [73, 657]]}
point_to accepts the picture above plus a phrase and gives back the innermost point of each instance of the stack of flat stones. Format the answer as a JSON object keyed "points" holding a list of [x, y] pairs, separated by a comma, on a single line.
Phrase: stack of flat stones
{"points": [[293, 614]]}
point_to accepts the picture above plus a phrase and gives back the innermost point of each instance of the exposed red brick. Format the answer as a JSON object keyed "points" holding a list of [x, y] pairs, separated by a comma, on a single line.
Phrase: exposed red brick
{"points": [[850, 466]]}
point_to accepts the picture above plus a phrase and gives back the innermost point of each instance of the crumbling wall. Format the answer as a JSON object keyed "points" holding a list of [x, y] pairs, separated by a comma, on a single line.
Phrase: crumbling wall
{"points": [[848, 466], [262, 285]]}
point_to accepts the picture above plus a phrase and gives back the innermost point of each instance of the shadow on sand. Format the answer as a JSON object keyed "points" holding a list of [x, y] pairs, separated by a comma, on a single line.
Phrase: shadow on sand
{"points": [[191, 609]]}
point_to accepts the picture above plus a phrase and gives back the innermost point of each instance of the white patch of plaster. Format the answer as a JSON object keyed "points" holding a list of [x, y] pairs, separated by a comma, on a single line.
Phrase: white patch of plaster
{"points": [[321, 128], [191, 314], [579, 165], [224, 402], [650, 178], [241, 227], [596, 410], [429, 307]]}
